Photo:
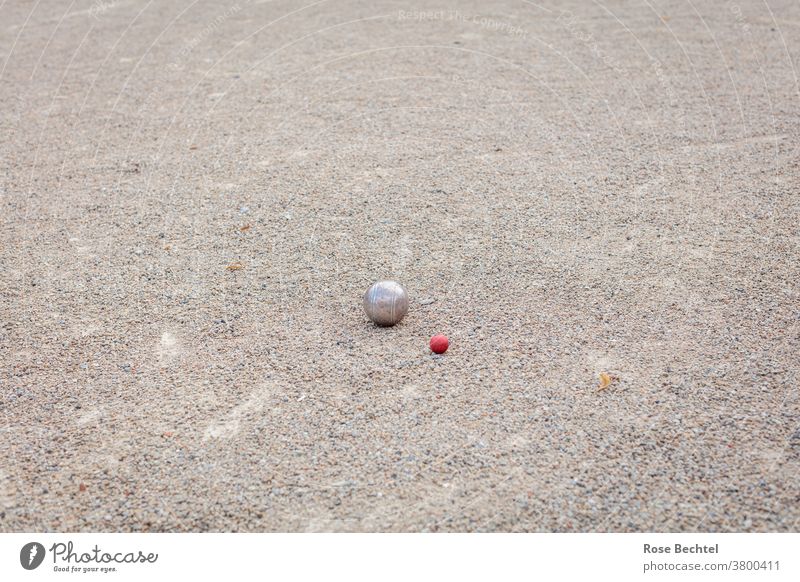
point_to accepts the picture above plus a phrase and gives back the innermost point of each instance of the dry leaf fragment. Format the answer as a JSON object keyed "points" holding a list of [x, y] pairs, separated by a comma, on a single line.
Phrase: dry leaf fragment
{"points": [[605, 380], [237, 266]]}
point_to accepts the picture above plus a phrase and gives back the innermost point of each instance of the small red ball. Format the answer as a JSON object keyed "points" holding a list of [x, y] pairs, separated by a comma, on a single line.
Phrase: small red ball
{"points": [[439, 344]]}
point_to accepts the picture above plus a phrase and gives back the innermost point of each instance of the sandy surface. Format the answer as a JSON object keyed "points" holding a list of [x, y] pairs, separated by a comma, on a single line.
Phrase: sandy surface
{"points": [[614, 188]]}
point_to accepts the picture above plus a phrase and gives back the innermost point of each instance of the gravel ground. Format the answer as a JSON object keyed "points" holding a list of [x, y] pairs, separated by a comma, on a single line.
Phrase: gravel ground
{"points": [[195, 195]]}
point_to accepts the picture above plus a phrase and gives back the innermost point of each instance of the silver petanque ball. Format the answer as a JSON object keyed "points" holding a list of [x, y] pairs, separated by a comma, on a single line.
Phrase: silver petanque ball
{"points": [[386, 303]]}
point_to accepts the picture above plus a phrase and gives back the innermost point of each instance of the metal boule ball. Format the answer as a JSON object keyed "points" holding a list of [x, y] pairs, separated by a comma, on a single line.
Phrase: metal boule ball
{"points": [[386, 303]]}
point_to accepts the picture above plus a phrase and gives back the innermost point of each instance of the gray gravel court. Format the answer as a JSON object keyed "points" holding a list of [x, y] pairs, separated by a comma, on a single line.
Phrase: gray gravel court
{"points": [[194, 196]]}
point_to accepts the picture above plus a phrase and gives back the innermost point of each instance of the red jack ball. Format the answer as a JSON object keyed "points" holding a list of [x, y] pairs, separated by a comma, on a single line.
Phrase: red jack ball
{"points": [[439, 344]]}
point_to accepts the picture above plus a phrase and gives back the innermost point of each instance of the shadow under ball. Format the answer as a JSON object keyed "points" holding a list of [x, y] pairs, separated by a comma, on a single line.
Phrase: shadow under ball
{"points": [[386, 303]]}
